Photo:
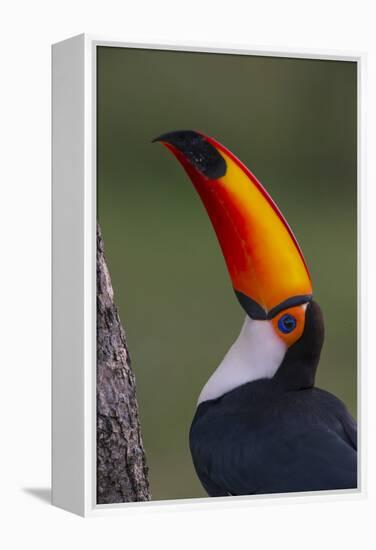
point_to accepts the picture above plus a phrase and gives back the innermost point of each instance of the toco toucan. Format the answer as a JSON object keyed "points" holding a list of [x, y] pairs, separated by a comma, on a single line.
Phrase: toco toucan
{"points": [[260, 425]]}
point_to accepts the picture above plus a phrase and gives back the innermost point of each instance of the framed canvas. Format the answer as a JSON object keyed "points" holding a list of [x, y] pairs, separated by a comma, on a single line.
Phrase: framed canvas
{"points": [[207, 221]]}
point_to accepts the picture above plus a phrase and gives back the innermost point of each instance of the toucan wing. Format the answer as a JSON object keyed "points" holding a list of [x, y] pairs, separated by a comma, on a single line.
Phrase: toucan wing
{"points": [[290, 452]]}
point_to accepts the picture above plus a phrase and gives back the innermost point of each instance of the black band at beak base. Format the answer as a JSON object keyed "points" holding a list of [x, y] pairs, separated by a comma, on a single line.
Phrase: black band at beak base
{"points": [[255, 311]]}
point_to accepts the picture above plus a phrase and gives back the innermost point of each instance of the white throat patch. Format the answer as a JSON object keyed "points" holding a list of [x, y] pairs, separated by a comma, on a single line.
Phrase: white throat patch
{"points": [[256, 353]]}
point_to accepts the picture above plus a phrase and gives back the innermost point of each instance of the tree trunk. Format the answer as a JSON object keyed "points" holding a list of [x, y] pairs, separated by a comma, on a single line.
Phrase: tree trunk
{"points": [[121, 464]]}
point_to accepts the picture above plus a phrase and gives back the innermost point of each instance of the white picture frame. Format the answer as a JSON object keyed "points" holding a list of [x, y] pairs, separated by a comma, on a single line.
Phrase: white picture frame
{"points": [[74, 269]]}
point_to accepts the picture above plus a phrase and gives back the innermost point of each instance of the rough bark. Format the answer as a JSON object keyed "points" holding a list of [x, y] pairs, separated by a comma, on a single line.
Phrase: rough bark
{"points": [[122, 474]]}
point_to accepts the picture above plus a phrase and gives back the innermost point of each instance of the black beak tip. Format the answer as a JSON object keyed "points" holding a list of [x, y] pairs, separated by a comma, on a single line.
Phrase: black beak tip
{"points": [[198, 151], [177, 137]]}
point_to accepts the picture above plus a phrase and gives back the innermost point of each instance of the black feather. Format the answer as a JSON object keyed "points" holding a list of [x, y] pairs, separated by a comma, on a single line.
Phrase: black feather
{"points": [[259, 438]]}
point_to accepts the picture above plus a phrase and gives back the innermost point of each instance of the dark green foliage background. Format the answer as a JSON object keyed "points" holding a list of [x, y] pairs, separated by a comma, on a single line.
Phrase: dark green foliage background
{"points": [[293, 123]]}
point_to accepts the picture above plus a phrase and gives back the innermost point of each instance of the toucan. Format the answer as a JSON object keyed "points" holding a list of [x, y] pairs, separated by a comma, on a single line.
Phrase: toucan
{"points": [[261, 426]]}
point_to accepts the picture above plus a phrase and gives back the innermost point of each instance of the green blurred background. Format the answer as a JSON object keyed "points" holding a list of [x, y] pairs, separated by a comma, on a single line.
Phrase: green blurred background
{"points": [[293, 123]]}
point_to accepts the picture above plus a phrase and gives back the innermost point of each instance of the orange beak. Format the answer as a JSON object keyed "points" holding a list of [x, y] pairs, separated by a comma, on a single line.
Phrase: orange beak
{"points": [[265, 263]]}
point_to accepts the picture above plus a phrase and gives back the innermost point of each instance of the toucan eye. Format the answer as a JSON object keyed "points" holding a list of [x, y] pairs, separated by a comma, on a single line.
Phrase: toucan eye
{"points": [[286, 323]]}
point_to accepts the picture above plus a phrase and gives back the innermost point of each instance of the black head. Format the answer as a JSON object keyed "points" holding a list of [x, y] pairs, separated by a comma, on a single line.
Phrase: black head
{"points": [[298, 368]]}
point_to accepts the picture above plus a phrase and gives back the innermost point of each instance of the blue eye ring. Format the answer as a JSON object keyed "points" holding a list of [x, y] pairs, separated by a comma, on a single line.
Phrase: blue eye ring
{"points": [[287, 323]]}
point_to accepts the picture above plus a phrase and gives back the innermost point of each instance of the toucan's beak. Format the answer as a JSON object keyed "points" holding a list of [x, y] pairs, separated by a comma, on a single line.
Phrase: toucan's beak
{"points": [[264, 260]]}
